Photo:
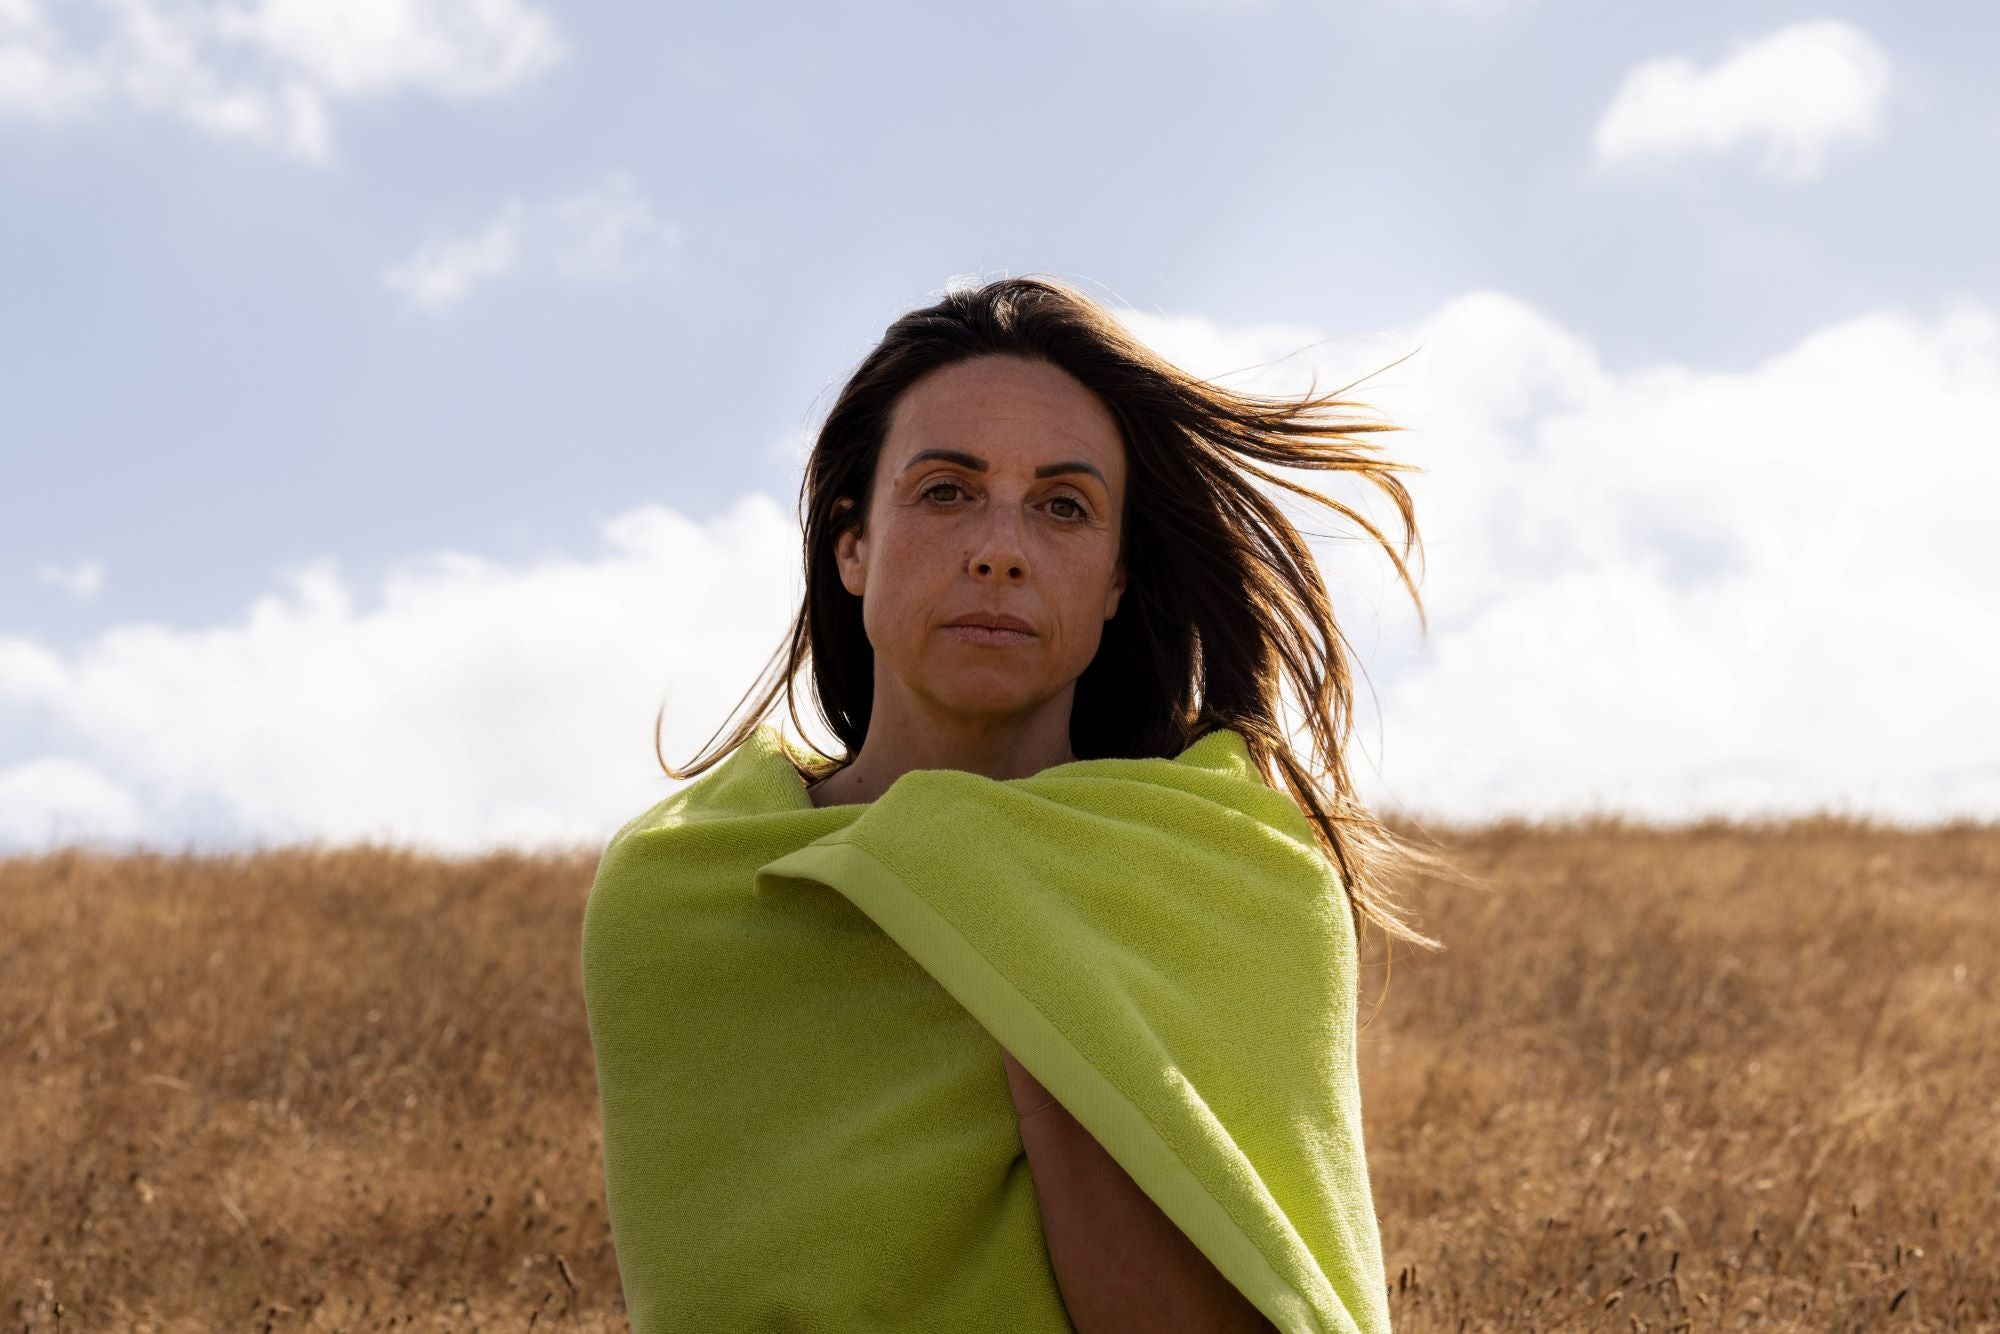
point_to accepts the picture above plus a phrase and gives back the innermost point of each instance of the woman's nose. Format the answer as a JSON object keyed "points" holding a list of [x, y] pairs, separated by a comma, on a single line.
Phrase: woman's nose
{"points": [[997, 550]]}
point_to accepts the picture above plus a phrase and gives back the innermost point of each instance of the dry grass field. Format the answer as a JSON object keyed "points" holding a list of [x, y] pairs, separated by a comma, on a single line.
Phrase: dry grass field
{"points": [[1724, 1077]]}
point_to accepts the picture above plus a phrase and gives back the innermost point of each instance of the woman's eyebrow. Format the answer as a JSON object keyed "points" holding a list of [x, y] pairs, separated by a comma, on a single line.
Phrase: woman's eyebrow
{"points": [[976, 464]]}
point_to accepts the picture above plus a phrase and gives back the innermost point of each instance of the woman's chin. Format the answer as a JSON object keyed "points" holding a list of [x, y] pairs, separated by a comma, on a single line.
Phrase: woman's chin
{"points": [[1001, 696]]}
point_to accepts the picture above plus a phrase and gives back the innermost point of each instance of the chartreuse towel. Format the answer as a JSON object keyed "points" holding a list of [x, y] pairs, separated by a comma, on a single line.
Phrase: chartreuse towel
{"points": [[799, 1015]]}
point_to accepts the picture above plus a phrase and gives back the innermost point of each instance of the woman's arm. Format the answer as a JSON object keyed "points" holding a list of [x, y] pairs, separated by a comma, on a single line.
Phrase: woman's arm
{"points": [[1120, 1262]]}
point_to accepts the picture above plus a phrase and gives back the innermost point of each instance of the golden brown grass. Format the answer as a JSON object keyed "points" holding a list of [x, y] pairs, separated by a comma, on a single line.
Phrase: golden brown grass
{"points": [[1713, 1078], [1717, 1077]]}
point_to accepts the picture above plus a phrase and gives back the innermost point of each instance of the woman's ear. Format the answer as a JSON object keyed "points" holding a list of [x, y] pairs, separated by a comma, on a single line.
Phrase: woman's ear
{"points": [[850, 554], [1117, 589]]}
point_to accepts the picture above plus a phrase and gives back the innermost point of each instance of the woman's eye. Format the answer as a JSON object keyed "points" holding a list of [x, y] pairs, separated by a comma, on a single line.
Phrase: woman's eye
{"points": [[1081, 511]]}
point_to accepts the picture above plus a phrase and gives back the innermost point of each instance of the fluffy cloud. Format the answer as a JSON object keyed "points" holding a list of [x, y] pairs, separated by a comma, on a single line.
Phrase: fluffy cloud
{"points": [[1671, 592], [466, 703], [267, 71], [606, 231], [56, 799], [84, 580], [1794, 96], [1678, 592], [38, 79], [444, 270]]}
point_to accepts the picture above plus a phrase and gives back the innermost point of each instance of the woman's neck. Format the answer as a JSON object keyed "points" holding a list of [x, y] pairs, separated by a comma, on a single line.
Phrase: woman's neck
{"points": [[902, 736]]}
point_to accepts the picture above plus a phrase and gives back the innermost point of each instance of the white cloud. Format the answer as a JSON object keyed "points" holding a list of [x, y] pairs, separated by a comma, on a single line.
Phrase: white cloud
{"points": [[83, 580], [265, 71], [606, 231], [451, 48], [1796, 94], [470, 704], [38, 80], [55, 799], [609, 230], [1671, 592], [443, 271]]}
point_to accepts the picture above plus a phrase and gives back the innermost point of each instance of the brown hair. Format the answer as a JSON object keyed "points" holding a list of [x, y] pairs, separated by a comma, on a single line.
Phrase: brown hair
{"points": [[1224, 598]]}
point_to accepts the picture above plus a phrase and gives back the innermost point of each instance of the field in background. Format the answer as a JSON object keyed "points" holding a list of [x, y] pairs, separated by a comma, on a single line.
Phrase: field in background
{"points": [[1716, 1078]]}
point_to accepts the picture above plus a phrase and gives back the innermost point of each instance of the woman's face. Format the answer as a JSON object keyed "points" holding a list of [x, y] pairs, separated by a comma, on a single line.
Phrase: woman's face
{"points": [[960, 523]]}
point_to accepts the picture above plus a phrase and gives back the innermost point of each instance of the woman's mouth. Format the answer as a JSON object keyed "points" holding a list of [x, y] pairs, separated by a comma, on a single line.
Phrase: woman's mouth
{"points": [[986, 634]]}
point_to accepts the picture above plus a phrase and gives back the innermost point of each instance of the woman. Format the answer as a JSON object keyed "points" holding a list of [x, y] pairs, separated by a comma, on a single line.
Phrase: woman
{"points": [[1032, 553]]}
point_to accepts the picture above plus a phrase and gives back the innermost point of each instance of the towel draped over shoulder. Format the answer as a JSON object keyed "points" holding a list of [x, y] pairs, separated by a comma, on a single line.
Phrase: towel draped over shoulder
{"points": [[798, 1015]]}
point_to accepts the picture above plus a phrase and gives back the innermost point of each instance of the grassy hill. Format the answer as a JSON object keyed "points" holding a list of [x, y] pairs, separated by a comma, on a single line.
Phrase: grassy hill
{"points": [[1716, 1077]]}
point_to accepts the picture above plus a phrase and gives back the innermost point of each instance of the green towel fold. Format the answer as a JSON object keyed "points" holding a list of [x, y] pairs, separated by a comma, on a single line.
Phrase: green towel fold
{"points": [[799, 1012]]}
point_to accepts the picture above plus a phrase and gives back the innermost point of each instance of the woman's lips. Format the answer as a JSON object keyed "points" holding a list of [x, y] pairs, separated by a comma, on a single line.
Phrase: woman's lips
{"points": [[986, 634]]}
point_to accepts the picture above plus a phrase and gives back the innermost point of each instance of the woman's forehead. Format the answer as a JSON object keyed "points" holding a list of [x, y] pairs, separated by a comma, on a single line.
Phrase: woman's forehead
{"points": [[982, 408]]}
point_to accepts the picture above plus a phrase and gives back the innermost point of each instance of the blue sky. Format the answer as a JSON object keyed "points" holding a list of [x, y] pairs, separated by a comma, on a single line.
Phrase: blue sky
{"points": [[391, 386]]}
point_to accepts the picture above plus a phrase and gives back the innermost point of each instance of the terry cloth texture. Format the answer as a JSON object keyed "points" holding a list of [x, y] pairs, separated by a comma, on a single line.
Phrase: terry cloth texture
{"points": [[799, 1016]]}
